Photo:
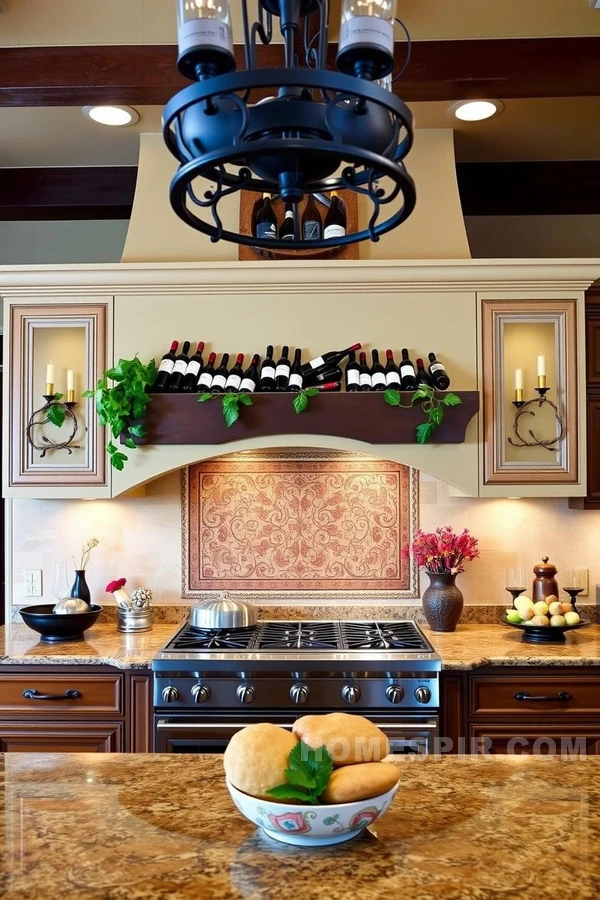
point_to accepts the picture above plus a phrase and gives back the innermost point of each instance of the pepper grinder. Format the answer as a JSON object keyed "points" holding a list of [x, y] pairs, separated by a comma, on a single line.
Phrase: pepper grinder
{"points": [[544, 584]]}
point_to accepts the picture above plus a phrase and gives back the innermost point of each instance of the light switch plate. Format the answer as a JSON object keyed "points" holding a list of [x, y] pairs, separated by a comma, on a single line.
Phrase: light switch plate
{"points": [[33, 582]]}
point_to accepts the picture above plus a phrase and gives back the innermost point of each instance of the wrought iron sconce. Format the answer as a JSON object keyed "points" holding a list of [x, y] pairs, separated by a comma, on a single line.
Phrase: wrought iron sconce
{"points": [[524, 409], [35, 422]]}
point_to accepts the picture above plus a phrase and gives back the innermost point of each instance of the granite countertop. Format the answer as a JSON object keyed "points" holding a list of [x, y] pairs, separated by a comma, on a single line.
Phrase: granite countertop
{"points": [[469, 647], [126, 827]]}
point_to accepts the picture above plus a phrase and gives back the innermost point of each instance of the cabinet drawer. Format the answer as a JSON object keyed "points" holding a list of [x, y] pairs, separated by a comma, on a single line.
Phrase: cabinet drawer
{"points": [[40, 694], [61, 737], [551, 695], [535, 740]]}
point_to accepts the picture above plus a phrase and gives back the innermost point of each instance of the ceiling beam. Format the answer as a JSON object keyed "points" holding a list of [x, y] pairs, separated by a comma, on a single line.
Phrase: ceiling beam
{"points": [[486, 189], [439, 70]]}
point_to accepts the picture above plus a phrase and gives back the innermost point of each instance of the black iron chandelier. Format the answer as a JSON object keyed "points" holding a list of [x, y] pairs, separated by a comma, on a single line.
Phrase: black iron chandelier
{"points": [[314, 132]]}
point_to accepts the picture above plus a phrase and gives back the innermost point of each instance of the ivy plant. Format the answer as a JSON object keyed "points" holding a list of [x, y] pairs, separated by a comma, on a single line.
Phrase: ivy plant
{"points": [[433, 404], [230, 404], [56, 411], [120, 404], [302, 398]]}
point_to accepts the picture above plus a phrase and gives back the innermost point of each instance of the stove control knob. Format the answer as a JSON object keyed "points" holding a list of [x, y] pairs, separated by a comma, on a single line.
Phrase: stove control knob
{"points": [[423, 694], [395, 693], [170, 694], [299, 693], [245, 693], [200, 693], [351, 693]]}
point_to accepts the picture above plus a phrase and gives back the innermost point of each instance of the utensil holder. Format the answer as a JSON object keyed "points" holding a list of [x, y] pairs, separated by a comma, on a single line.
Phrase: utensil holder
{"points": [[130, 620]]}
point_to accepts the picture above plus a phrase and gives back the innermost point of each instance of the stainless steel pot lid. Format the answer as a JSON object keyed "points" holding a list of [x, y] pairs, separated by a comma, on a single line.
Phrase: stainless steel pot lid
{"points": [[223, 612]]}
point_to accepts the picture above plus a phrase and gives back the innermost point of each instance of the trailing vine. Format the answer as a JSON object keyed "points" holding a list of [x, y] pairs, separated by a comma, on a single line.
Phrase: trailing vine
{"points": [[433, 405], [230, 403]]}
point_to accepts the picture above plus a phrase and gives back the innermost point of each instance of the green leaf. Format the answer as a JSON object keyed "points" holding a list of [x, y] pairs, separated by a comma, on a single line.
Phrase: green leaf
{"points": [[392, 397], [87, 394], [110, 448], [58, 397], [56, 415], [118, 460], [424, 432], [231, 411], [291, 793], [137, 431], [436, 414], [420, 394], [204, 397], [300, 402], [300, 778], [314, 764], [245, 399], [311, 392], [131, 444], [451, 399]]}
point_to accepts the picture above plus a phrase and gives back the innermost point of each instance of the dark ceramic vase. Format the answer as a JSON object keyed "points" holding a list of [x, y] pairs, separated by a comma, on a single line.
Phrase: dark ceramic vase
{"points": [[80, 587], [442, 602]]}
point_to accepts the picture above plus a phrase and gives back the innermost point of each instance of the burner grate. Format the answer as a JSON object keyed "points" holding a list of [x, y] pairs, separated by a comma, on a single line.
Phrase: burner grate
{"points": [[208, 639], [383, 636], [299, 636]]}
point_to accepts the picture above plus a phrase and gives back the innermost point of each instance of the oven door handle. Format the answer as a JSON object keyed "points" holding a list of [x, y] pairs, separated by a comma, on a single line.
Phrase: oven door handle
{"points": [[167, 725], [407, 726]]}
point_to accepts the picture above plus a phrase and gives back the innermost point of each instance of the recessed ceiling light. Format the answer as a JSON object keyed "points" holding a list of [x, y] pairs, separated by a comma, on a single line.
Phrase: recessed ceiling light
{"points": [[116, 116], [476, 110]]}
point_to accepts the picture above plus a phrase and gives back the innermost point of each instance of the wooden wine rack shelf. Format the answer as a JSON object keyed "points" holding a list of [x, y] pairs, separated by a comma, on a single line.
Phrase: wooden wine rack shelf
{"points": [[180, 419]]}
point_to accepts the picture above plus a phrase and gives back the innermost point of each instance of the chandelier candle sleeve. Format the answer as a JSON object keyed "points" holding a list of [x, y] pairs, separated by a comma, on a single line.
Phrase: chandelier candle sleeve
{"points": [[366, 47], [541, 370], [49, 379], [518, 385], [70, 386], [165, 369], [204, 37], [194, 367]]}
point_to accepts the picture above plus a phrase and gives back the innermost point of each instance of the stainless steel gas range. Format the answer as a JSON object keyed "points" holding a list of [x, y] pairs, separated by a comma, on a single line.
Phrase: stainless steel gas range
{"points": [[209, 684]]}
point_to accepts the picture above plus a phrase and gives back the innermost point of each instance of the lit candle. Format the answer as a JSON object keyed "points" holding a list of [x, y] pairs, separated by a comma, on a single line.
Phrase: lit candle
{"points": [[49, 379], [70, 386], [541, 370], [518, 385]]}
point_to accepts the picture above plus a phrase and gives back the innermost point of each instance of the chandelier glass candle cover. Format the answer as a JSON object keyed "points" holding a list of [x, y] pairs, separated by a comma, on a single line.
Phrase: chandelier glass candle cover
{"points": [[296, 128]]}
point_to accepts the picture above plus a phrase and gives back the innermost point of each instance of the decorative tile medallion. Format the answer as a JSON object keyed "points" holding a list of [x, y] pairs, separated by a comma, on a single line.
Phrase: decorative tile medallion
{"points": [[294, 524]]}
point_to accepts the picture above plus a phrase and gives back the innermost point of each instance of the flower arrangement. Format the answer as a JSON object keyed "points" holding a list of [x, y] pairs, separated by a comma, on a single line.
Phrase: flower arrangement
{"points": [[85, 554], [443, 551], [117, 589]]}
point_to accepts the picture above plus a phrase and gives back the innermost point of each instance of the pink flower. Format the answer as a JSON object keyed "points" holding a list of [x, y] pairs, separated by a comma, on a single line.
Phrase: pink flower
{"points": [[443, 550], [113, 586]]}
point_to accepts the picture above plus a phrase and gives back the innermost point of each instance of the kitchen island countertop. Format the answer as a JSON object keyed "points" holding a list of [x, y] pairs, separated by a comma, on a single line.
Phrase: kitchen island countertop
{"points": [[127, 827], [469, 647]]}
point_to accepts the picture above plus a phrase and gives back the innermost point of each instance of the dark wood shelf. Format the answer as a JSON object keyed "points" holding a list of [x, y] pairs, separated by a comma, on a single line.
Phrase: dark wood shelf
{"points": [[180, 419]]}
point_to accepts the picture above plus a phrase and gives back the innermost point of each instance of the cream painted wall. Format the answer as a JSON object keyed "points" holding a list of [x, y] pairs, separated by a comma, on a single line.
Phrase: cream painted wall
{"points": [[140, 539], [48, 243], [435, 230]]}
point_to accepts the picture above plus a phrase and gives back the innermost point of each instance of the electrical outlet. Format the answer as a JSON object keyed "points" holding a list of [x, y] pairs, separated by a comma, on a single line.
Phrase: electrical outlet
{"points": [[33, 582], [585, 575]]}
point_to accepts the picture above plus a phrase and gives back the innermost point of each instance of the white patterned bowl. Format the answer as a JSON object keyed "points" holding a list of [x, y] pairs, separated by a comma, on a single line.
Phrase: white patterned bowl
{"points": [[312, 826]]}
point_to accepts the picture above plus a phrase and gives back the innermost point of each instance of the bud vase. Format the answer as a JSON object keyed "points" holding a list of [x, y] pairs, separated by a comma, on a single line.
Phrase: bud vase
{"points": [[442, 602], [80, 587]]}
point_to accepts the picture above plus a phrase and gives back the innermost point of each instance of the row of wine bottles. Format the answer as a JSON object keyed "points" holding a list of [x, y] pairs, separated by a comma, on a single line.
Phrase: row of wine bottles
{"points": [[308, 227], [182, 372]]}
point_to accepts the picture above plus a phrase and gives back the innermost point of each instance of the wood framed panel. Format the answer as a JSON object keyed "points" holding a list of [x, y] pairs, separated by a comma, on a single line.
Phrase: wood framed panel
{"points": [[71, 335], [554, 322], [61, 737]]}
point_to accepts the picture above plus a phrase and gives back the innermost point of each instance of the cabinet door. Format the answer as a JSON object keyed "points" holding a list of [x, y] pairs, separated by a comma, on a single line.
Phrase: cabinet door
{"points": [[139, 714], [593, 457], [592, 340], [539, 739], [453, 702], [61, 737]]}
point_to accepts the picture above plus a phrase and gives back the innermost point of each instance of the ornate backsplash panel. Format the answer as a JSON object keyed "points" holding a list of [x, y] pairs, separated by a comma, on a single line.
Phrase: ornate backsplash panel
{"points": [[299, 523]]}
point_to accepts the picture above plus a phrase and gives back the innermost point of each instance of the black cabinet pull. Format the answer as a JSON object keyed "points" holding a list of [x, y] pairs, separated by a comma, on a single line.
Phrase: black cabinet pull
{"points": [[32, 694], [561, 697]]}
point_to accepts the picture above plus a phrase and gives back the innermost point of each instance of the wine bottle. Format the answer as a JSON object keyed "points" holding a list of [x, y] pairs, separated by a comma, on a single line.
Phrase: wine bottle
{"points": [[194, 367], [422, 376], [312, 225], [287, 231], [234, 379], [220, 377], [251, 376], [321, 376], [266, 220], [378, 382], [392, 375], [352, 373], [327, 360], [282, 372], [438, 373], [330, 386], [365, 373], [207, 374], [267, 371], [180, 367], [336, 222], [408, 377], [296, 380], [165, 369]]}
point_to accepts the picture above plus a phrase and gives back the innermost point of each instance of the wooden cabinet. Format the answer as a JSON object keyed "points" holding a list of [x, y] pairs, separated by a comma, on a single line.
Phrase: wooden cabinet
{"points": [[68, 709], [592, 394], [554, 710]]}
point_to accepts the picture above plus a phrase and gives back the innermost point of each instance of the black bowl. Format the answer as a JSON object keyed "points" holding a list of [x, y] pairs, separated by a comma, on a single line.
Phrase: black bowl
{"points": [[544, 634], [55, 627]]}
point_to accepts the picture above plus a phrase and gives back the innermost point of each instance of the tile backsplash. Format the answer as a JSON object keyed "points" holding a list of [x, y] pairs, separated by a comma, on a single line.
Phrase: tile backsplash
{"points": [[140, 539]]}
